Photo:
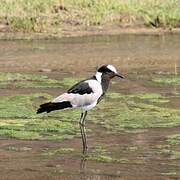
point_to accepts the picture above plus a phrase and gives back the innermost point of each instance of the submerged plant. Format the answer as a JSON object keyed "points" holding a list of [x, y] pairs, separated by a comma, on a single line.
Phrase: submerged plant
{"points": [[167, 79], [18, 116], [137, 111], [18, 119], [27, 80]]}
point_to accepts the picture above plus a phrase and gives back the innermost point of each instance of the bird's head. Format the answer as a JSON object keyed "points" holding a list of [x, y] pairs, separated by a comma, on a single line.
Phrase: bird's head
{"points": [[107, 72]]}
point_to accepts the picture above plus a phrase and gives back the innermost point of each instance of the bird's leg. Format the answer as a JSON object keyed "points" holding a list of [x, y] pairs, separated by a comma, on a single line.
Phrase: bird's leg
{"points": [[81, 128], [84, 128], [83, 133]]}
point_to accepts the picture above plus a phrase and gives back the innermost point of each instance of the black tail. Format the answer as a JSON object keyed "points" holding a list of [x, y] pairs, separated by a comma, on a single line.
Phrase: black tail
{"points": [[50, 106]]}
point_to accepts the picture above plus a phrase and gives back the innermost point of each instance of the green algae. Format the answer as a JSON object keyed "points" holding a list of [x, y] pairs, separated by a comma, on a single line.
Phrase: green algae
{"points": [[176, 154], [65, 115], [21, 106], [10, 77], [167, 79], [28, 135], [69, 81], [122, 111], [100, 150], [132, 148], [25, 80], [105, 159], [171, 154], [59, 151], [37, 129], [148, 97], [100, 158], [25, 106], [18, 119], [139, 115], [100, 154], [174, 139], [18, 149], [169, 173]]}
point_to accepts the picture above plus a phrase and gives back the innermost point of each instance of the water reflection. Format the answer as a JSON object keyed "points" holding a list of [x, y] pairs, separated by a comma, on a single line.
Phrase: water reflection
{"points": [[83, 168]]}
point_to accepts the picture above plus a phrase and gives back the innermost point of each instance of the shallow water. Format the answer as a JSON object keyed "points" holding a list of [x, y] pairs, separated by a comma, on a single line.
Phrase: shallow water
{"points": [[84, 54], [135, 153]]}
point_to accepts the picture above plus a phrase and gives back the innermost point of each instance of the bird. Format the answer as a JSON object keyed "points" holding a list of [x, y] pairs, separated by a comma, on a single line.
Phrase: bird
{"points": [[84, 95]]}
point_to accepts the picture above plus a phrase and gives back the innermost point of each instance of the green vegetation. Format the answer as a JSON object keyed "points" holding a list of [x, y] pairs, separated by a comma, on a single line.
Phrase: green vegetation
{"points": [[136, 111], [60, 151], [18, 119], [52, 15], [169, 174], [170, 149], [21, 106], [174, 139], [37, 129], [100, 154], [100, 158], [167, 79], [170, 153], [24, 80], [68, 81], [148, 97], [17, 149]]}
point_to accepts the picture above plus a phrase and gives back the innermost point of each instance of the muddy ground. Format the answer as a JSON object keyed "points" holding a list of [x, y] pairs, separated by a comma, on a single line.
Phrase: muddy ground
{"points": [[146, 149]]}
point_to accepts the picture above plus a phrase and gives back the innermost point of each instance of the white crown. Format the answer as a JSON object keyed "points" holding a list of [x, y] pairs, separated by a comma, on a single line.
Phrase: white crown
{"points": [[112, 68]]}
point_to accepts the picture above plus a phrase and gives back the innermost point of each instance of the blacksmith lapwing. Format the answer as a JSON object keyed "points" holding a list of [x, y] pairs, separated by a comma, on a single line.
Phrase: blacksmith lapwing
{"points": [[84, 95]]}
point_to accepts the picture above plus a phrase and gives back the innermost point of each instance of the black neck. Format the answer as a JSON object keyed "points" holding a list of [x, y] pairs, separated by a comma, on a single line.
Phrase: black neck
{"points": [[104, 84]]}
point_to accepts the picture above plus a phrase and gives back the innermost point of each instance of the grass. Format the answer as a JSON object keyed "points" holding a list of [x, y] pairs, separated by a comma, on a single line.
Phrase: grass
{"points": [[51, 15]]}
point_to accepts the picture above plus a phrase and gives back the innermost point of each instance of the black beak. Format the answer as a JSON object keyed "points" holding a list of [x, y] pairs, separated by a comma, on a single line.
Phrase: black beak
{"points": [[119, 75]]}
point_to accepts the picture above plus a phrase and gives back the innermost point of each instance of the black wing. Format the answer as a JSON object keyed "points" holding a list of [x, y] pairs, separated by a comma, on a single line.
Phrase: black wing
{"points": [[81, 88]]}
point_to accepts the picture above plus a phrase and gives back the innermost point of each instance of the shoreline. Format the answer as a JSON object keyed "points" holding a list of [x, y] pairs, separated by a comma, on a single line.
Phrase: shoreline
{"points": [[90, 31]]}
